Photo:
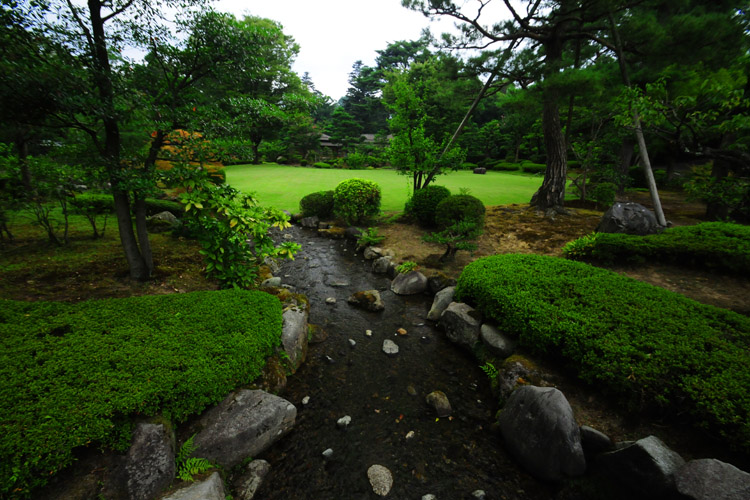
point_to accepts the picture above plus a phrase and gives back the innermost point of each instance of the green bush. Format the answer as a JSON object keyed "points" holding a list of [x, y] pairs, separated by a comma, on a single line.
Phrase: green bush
{"points": [[651, 348], [573, 164], [356, 200], [459, 208], [424, 202], [716, 245], [505, 166], [218, 176], [467, 165], [321, 164], [604, 193], [533, 168], [75, 375], [356, 161], [320, 204], [154, 206]]}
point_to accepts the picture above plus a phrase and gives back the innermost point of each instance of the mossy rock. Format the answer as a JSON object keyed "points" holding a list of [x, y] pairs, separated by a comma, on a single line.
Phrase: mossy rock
{"points": [[336, 232], [316, 334]]}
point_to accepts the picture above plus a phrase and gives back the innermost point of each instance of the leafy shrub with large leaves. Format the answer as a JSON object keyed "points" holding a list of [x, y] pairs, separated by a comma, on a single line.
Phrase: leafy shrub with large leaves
{"points": [[653, 348]]}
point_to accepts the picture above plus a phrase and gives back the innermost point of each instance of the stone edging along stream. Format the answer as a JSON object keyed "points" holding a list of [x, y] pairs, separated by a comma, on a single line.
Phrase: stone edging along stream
{"points": [[536, 424]]}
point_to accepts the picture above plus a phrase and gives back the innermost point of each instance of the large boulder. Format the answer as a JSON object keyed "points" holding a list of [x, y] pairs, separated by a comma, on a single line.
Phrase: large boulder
{"points": [[149, 463], [368, 300], [382, 265], [311, 222], [243, 425], [294, 335], [628, 218], [251, 480], [163, 221], [210, 489], [461, 324], [646, 467], [497, 342], [539, 429], [710, 479], [441, 302], [411, 283]]}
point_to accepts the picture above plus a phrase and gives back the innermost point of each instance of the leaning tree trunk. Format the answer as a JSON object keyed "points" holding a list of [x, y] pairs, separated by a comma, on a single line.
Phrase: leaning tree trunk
{"points": [[551, 194]]}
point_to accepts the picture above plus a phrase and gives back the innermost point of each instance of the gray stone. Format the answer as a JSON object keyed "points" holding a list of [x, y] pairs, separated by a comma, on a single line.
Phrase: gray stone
{"points": [[595, 442], [257, 470], [381, 479], [311, 222], [372, 253], [294, 335], [270, 282], [439, 281], [646, 467], [514, 373], [353, 233], [480, 170], [711, 479], [369, 300], [411, 283], [163, 221], [497, 342], [440, 303], [628, 218], [327, 453], [331, 300], [243, 425], [429, 496], [439, 401], [461, 324], [382, 265], [210, 489], [344, 422], [479, 494], [539, 429], [149, 463], [390, 347], [272, 264]]}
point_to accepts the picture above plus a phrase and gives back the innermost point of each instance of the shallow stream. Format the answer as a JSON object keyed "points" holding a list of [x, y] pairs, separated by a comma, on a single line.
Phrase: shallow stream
{"points": [[384, 396]]}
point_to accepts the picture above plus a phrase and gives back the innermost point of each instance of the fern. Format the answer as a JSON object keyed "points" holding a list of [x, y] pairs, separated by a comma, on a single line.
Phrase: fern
{"points": [[188, 467], [489, 370], [193, 466]]}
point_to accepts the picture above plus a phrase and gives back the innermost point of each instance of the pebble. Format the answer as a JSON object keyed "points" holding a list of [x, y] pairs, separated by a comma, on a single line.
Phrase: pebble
{"points": [[381, 479], [479, 495], [352, 342], [330, 300], [328, 453], [429, 496], [330, 359], [401, 331], [409, 434], [344, 422], [368, 333], [411, 390], [305, 400], [390, 347]]}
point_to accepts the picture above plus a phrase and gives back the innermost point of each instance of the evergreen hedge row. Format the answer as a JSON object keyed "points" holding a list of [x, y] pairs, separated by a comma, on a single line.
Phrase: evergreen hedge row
{"points": [[74, 375], [716, 245], [652, 348]]}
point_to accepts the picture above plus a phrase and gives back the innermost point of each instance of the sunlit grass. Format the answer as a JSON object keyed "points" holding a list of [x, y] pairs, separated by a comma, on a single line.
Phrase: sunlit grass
{"points": [[282, 186]]}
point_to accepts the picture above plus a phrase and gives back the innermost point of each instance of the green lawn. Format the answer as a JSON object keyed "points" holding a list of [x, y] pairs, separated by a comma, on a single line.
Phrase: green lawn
{"points": [[282, 186]]}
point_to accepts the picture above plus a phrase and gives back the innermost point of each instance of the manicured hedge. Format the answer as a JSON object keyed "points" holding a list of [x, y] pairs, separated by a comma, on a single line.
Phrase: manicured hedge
{"points": [[73, 375], [319, 203], [650, 347], [533, 168], [716, 245]]}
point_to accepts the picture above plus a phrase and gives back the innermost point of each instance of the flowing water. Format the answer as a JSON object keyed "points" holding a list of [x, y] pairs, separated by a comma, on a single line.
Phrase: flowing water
{"points": [[384, 396]]}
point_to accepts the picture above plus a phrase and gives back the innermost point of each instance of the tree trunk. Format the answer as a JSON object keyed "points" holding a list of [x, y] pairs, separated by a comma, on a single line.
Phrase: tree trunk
{"points": [[626, 159], [22, 144], [256, 152], [551, 194], [103, 80]]}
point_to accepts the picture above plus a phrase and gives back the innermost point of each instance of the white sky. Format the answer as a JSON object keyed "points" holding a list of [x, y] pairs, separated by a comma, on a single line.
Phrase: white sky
{"points": [[333, 34]]}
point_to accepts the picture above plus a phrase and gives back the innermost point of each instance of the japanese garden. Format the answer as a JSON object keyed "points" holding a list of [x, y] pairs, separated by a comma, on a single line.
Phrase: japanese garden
{"points": [[512, 261]]}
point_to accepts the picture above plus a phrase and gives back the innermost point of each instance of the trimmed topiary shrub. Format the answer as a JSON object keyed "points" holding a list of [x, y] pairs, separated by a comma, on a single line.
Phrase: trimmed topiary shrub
{"points": [[459, 208], [321, 164], [505, 166], [154, 206], [320, 204], [652, 348], [356, 200], [716, 245], [76, 375], [424, 202], [533, 168]]}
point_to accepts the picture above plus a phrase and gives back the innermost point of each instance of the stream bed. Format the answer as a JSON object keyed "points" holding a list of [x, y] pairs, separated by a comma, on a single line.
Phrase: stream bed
{"points": [[384, 395]]}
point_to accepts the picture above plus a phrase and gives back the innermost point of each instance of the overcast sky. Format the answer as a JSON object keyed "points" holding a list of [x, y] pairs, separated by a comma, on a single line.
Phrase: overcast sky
{"points": [[333, 34]]}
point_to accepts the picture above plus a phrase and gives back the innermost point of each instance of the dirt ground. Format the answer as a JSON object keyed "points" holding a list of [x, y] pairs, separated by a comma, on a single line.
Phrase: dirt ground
{"points": [[522, 229]]}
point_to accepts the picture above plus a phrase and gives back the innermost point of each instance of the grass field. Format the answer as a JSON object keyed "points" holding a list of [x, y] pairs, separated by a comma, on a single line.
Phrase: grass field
{"points": [[282, 186]]}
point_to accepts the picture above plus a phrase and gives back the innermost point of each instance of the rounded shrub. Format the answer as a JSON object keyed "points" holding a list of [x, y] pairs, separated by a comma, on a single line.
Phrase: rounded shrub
{"points": [[356, 200], [459, 208], [321, 164], [319, 203], [604, 193], [424, 202]]}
